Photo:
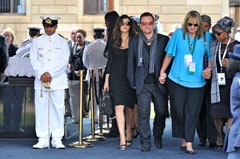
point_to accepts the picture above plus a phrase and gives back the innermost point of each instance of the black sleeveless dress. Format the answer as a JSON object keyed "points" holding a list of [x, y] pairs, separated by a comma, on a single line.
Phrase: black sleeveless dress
{"points": [[122, 93]]}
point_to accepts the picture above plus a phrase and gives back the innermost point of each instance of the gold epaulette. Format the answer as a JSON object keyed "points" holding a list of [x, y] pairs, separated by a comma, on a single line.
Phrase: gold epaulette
{"points": [[63, 36], [37, 35]]}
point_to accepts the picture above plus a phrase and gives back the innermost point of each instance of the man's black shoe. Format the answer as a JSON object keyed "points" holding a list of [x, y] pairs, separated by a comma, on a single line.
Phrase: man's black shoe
{"points": [[212, 144], [68, 113], [202, 142], [145, 149], [112, 134], [158, 142]]}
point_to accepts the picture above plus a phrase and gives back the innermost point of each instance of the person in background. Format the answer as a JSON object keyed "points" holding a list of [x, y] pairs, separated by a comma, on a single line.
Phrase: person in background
{"points": [[237, 34], [158, 26], [49, 56], [76, 64], [233, 69], [110, 20], [3, 56], [71, 43], [145, 57], [12, 95], [26, 44], [186, 79], [221, 81], [173, 29], [206, 128], [93, 59]]}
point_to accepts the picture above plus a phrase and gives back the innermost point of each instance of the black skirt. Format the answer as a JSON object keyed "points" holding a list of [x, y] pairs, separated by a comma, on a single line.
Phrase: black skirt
{"points": [[222, 109]]}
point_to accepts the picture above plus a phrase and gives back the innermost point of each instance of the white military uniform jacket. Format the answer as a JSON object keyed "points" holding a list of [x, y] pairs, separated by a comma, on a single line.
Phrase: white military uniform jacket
{"points": [[93, 56], [25, 47], [50, 54]]}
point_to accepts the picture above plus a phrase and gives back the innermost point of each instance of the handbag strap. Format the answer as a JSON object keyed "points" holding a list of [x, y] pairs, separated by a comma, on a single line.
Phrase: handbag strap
{"points": [[205, 42]]}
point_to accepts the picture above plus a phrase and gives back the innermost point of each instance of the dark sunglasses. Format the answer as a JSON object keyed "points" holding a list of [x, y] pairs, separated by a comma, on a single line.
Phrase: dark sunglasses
{"points": [[124, 23], [191, 24], [217, 33]]}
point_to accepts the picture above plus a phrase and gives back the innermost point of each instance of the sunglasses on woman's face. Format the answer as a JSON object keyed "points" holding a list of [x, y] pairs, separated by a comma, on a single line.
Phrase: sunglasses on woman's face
{"points": [[191, 24], [124, 23], [217, 33]]}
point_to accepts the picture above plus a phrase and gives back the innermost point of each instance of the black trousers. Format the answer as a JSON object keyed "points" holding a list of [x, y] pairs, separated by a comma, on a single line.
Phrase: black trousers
{"points": [[206, 128], [151, 92], [12, 106], [185, 104]]}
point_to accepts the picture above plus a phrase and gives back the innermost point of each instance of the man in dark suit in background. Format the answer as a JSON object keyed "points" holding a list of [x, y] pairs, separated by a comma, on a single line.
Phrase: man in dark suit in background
{"points": [[145, 56], [3, 55]]}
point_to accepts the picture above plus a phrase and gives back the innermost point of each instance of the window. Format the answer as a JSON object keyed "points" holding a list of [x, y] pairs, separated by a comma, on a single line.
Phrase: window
{"points": [[13, 6], [234, 3], [97, 6]]}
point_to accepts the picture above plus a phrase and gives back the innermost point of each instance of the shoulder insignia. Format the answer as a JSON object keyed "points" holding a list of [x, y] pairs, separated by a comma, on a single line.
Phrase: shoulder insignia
{"points": [[63, 36], [37, 35], [26, 41]]}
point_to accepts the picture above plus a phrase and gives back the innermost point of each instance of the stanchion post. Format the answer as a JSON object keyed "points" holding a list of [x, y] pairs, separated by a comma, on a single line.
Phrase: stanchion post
{"points": [[80, 143], [100, 99], [93, 137]]}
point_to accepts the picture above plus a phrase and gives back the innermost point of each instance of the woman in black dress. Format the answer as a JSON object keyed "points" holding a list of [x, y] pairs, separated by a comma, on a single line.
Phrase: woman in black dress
{"points": [[220, 92], [116, 79]]}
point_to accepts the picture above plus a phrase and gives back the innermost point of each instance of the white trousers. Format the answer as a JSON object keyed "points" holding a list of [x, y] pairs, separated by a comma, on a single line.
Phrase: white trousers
{"points": [[56, 103]]}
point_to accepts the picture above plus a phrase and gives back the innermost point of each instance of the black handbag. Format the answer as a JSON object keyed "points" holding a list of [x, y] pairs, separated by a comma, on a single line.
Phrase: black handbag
{"points": [[105, 105]]}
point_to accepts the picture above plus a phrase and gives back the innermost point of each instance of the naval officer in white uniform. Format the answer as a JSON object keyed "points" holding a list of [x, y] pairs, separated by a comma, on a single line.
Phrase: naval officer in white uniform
{"points": [[49, 57], [26, 45]]}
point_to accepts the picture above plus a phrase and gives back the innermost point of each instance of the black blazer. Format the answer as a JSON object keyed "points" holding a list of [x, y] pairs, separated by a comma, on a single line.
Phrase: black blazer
{"points": [[137, 74], [12, 50], [3, 54]]}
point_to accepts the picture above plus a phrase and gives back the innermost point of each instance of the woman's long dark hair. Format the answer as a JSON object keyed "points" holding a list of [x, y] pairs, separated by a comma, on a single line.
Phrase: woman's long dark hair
{"points": [[117, 32]]}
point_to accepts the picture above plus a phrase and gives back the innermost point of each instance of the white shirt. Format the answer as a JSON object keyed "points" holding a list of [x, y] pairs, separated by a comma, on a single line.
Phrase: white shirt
{"points": [[50, 54], [25, 48], [93, 56]]}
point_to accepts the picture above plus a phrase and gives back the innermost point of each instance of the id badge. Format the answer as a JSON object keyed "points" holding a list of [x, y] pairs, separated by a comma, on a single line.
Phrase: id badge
{"points": [[221, 79], [187, 60], [192, 67]]}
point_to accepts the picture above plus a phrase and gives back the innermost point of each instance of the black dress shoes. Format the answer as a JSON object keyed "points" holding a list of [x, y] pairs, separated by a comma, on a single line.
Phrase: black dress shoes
{"points": [[158, 142], [145, 149], [212, 144], [112, 134], [202, 143]]}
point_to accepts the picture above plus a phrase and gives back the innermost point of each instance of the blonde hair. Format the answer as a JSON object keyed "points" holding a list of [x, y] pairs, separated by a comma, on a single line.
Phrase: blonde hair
{"points": [[9, 31], [195, 15]]}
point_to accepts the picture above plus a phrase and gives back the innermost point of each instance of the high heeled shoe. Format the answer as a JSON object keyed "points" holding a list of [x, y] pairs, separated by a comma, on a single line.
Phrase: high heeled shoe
{"points": [[128, 143], [135, 129], [123, 147]]}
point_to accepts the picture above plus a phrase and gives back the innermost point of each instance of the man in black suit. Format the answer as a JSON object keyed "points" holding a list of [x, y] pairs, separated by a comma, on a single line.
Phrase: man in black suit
{"points": [[3, 55], [145, 56]]}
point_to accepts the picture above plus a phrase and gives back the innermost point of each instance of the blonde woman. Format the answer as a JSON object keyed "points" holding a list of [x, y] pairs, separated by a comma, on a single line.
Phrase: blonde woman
{"points": [[12, 96], [187, 77]]}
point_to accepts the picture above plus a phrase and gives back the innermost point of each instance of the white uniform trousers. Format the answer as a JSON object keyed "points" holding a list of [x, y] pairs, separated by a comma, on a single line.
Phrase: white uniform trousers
{"points": [[56, 102]]}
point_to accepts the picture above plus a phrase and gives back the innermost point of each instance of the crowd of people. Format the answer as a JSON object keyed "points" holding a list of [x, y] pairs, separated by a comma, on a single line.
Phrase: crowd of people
{"points": [[196, 70]]}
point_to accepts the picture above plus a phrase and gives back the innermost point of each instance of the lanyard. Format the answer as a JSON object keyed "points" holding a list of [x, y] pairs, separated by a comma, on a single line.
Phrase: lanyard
{"points": [[224, 54], [194, 43]]}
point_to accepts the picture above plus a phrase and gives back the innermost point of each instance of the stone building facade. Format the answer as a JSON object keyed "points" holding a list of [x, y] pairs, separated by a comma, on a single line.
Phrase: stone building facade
{"points": [[72, 13]]}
